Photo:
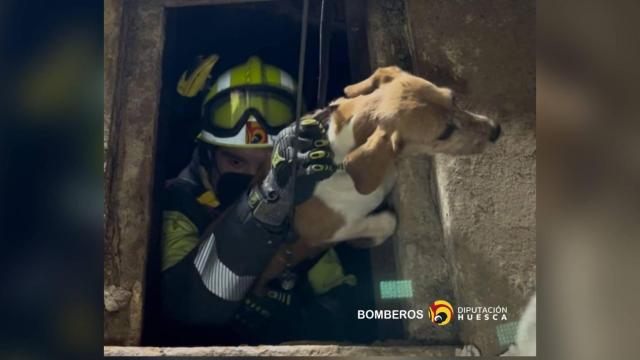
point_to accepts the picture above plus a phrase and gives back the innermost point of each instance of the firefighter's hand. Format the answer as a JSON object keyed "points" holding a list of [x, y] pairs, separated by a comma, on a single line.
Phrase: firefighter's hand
{"points": [[315, 163], [314, 157]]}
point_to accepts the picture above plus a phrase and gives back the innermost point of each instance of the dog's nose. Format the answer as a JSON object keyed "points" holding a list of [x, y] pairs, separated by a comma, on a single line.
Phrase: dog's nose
{"points": [[495, 133]]}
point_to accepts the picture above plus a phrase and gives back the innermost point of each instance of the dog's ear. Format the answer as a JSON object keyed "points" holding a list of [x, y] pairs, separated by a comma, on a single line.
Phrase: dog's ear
{"points": [[368, 163], [370, 84]]}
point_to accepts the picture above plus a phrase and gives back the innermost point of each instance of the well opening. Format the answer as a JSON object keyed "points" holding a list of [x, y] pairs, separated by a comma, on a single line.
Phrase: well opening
{"points": [[236, 31]]}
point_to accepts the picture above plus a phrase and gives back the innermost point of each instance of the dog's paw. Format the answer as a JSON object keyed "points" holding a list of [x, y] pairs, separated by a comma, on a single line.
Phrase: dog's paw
{"points": [[381, 226], [386, 223]]}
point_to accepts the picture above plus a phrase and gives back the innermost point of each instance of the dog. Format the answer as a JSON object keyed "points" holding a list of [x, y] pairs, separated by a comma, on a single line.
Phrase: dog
{"points": [[390, 115]]}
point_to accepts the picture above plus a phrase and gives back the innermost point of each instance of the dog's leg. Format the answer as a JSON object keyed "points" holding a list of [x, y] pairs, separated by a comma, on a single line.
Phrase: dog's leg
{"points": [[370, 231], [379, 77]]}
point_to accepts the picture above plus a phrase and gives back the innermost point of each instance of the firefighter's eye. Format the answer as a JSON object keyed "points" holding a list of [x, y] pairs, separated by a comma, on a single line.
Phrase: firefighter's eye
{"points": [[233, 161], [237, 163]]}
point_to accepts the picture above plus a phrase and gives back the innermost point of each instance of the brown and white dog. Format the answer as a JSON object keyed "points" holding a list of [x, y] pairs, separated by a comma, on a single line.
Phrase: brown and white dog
{"points": [[391, 114]]}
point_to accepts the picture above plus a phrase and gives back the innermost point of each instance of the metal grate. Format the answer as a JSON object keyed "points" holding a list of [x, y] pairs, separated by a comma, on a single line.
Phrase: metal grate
{"points": [[507, 333], [396, 289]]}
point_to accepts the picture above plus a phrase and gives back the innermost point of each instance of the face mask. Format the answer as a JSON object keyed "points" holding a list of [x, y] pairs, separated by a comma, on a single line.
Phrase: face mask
{"points": [[231, 186]]}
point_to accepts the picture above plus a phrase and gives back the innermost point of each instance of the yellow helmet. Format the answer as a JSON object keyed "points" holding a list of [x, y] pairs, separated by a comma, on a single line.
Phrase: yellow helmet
{"points": [[248, 105]]}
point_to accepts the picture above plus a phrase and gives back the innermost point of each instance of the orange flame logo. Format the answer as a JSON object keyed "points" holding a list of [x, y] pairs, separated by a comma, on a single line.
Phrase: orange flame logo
{"points": [[255, 134], [440, 312]]}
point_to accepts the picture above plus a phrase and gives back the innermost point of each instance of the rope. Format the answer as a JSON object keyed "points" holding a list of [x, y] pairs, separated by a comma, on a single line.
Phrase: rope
{"points": [[301, 58], [323, 53], [288, 278]]}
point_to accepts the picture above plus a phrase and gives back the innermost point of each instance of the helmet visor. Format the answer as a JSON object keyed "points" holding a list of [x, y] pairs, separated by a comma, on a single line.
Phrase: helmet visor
{"points": [[227, 112]]}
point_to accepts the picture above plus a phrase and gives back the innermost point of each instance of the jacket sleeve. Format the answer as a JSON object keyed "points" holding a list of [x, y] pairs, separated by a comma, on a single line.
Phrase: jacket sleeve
{"points": [[206, 286]]}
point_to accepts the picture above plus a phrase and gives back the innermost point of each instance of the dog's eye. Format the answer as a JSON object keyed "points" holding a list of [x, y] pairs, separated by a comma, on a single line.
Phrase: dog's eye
{"points": [[448, 131]]}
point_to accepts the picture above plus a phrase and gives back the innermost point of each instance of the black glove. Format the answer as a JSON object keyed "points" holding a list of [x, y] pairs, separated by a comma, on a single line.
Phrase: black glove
{"points": [[272, 200]]}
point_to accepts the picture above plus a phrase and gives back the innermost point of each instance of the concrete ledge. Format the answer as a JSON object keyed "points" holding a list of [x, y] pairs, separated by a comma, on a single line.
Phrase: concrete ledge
{"points": [[282, 350]]}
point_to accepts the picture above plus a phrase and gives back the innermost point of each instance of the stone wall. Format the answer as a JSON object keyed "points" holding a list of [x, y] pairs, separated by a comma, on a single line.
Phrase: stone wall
{"points": [[466, 224], [418, 245], [485, 50], [283, 350], [132, 87]]}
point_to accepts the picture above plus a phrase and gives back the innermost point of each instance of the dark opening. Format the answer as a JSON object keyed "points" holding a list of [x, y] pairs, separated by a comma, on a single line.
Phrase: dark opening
{"points": [[270, 30]]}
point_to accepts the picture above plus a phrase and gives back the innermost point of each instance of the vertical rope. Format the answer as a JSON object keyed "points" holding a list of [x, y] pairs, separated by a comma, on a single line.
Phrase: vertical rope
{"points": [[302, 55], [301, 58], [288, 278], [323, 52]]}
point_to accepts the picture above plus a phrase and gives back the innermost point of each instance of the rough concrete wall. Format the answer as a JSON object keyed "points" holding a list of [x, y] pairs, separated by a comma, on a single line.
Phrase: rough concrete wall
{"points": [[488, 215], [284, 350], [134, 90], [112, 32], [418, 243], [486, 51], [421, 254]]}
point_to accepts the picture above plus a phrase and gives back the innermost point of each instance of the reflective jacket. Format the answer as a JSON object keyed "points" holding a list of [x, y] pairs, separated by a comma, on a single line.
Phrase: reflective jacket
{"points": [[205, 280]]}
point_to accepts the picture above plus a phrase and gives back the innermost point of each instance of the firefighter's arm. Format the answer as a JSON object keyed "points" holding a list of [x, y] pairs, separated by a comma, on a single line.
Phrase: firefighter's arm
{"points": [[207, 286]]}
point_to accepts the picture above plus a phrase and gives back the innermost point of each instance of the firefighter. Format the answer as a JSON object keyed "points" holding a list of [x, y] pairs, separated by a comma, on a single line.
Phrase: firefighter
{"points": [[221, 226]]}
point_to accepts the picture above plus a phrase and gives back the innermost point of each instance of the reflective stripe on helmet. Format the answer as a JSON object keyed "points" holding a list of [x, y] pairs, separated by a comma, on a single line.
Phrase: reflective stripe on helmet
{"points": [[242, 139], [287, 81], [253, 72]]}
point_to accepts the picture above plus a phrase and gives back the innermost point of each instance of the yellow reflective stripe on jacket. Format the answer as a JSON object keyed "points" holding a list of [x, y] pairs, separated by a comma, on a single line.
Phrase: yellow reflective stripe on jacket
{"points": [[179, 237], [209, 199]]}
